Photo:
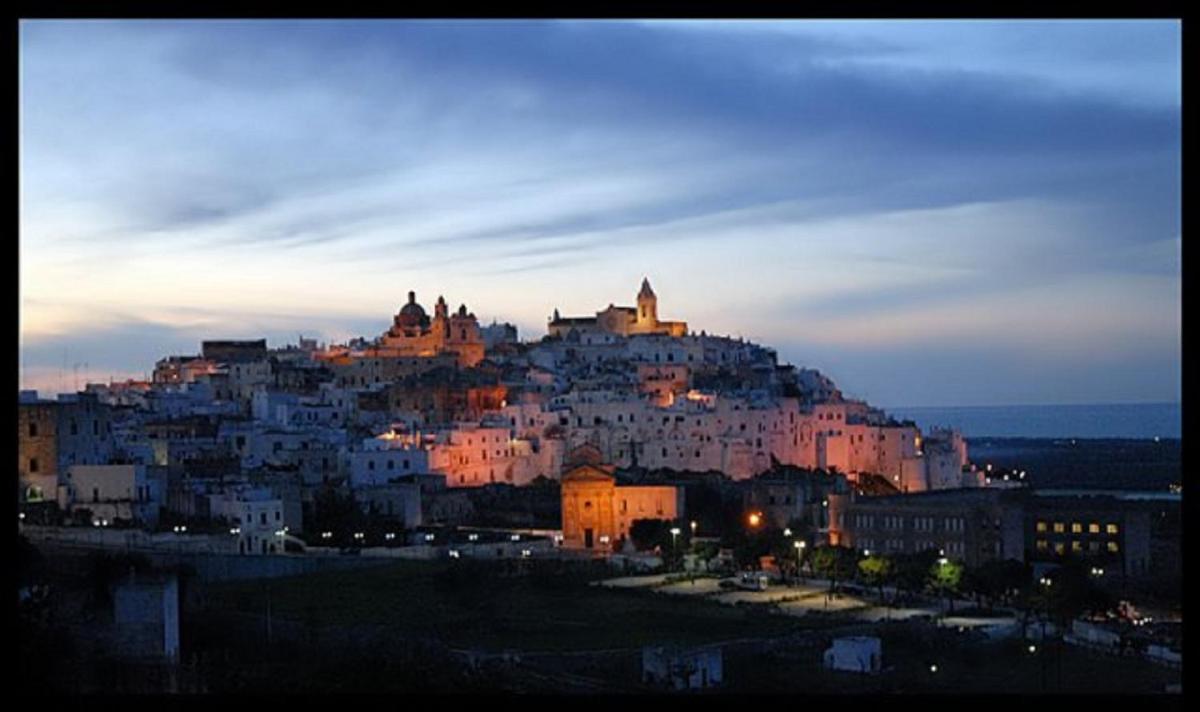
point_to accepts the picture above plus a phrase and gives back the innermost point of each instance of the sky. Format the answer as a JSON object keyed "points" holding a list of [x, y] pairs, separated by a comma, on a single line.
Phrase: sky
{"points": [[931, 213]]}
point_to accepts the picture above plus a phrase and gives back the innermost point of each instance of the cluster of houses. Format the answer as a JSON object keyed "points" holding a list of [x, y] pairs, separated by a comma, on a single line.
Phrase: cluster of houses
{"points": [[244, 436]]}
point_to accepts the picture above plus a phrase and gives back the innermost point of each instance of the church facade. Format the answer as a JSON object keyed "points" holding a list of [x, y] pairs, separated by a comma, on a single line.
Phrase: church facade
{"points": [[619, 321], [597, 512]]}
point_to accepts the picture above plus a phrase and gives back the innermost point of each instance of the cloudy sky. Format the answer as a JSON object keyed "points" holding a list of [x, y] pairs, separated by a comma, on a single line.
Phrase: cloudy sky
{"points": [[933, 213]]}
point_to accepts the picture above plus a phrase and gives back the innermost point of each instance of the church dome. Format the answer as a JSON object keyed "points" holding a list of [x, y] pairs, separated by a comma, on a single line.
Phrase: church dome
{"points": [[412, 314]]}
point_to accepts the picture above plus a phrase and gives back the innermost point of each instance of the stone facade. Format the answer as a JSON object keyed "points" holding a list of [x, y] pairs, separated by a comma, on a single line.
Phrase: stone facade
{"points": [[619, 321], [597, 513]]}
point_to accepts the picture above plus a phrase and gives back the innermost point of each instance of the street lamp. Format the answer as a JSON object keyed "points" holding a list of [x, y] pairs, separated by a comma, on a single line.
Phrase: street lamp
{"points": [[755, 519], [799, 556], [787, 532], [674, 536]]}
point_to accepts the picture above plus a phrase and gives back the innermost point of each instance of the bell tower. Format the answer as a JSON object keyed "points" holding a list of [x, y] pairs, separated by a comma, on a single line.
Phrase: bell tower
{"points": [[647, 305]]}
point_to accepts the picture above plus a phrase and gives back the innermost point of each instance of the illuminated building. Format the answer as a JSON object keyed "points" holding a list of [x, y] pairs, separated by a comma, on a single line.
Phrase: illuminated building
{"points": [[620, 321], [597, 512]]}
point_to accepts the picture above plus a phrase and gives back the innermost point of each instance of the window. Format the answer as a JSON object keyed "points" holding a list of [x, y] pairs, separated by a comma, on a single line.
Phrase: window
{"points": [[1093, 528], [262, 517], [33, 430], [1059, 528], [370, 465], [1076, 528], [33, 464], [277, 517], [1113, 547], [1112, 529], [74, 427], [1076, 546], [1042, 545], [1059, 548]]}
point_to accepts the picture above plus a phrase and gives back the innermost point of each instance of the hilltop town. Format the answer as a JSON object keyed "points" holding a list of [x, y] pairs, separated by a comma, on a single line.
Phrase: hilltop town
{"points": [[618, 440], [440, 403]]}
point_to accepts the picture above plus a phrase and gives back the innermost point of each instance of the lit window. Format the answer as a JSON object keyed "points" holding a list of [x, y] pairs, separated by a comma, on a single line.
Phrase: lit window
{"points": [[1112, 529], [1059, 548], [1059, 528], [1113, 547], [1076, 528], [1042, 545], [1093, 528], [1041, 526], [1076, 546]]}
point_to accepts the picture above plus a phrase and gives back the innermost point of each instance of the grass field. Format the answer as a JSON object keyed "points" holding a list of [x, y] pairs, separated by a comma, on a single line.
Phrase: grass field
{"points": [[478, 608]]}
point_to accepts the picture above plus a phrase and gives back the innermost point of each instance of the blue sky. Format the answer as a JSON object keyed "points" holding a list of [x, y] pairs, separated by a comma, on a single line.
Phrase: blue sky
{"points": [[933, 213]]}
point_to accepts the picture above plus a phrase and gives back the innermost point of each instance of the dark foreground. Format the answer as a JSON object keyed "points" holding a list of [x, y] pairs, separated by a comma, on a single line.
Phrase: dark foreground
{"points": [[526, 626]]}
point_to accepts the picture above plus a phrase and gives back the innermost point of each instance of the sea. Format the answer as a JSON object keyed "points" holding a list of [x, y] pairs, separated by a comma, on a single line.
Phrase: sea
{"points": [[1109, 420]]}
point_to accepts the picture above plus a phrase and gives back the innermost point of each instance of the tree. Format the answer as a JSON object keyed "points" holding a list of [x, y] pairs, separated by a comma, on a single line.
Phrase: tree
{"points": [[877, 571], [995, 580], [651, 533], [835, 563], [945, 578], [911, 571]]}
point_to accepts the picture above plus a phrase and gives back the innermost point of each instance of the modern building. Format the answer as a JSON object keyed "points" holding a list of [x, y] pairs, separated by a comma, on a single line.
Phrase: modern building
{"points": [[970, 525]]}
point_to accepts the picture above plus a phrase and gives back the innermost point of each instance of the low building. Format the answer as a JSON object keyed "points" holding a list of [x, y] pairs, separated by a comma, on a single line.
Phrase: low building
{"points": [[681, 668], [859, 653], [400, 501], [789, 495], [255, 516], [133, 493], [146, 617]]}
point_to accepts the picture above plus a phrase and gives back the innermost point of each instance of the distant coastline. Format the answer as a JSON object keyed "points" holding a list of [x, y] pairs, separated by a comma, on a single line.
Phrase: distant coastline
{"points": [[1103, 420]]}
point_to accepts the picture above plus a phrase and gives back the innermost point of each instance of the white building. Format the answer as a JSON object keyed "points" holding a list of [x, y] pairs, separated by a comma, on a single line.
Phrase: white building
{"points": [[255, 517], [682, 669], [859, 653], [134, 493]]}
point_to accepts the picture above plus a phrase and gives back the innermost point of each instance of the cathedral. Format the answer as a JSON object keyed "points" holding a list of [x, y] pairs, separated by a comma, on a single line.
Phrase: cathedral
{"points": [[413, 333], [620, 321]]}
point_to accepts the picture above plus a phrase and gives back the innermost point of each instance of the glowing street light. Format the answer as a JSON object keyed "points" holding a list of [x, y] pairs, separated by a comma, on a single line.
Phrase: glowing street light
{"points": [[693, 525], [787, 532], [235, 531], [516, 537], [472, 537], [933, 668], [454, 553], [429, 537], [1033, 648], [755, 519], [326, 535]]}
